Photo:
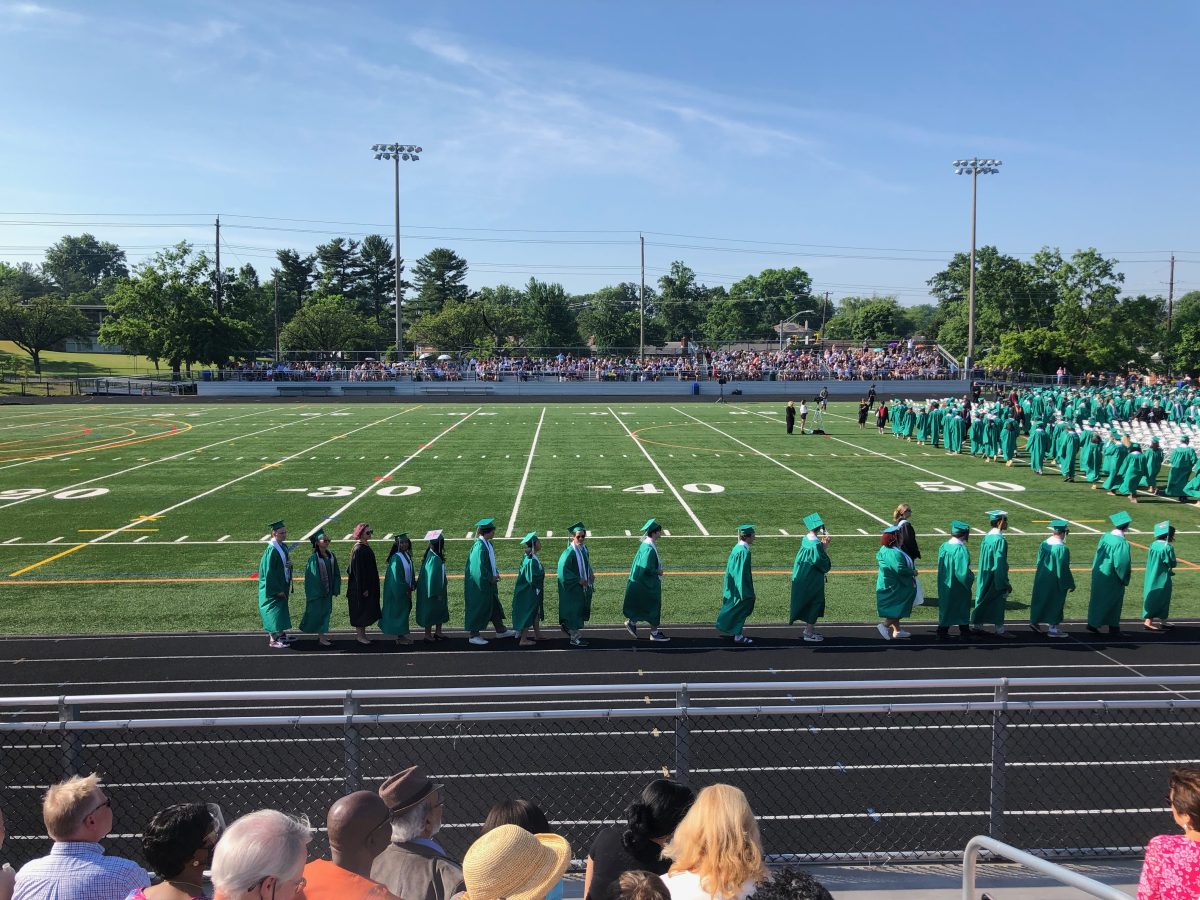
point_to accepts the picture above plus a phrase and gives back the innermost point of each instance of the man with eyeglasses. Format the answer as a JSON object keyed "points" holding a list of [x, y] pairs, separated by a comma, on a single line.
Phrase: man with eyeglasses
{"points": [[261, 857], [359, 827], [415, 866], [78, 815]]}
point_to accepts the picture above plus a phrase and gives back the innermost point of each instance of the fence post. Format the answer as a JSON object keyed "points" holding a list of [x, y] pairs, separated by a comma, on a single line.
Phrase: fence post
{"points": [[70, 739], [352, 745], [683, 755], [999, 755]]}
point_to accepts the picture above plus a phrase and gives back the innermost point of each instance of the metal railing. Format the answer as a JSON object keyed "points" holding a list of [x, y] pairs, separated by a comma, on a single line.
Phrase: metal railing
{"points": [[834, 778], [1061, 874]]}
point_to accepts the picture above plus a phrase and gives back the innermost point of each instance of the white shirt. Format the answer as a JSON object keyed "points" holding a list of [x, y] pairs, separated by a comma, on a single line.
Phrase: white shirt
{"points": [[1055, 539], [994, 531], [955, 540], [686, 886], [650, 541], [1118, 532]]}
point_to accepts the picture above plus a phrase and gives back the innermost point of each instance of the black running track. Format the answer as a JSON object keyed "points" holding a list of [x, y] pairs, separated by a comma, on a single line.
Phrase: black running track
{"points": [[871, 784]]}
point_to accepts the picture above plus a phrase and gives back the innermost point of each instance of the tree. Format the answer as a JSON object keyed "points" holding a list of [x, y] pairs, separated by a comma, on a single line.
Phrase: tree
{"points": [[440, 278], [454, 328], [679, 310], [338, 273], [1086, 313], [728, 320], [327, 322], [251, 303], [499, 308], [84, 265], [777, 294], [549, 321], [919, 320], [39, 323], [377, 274], [24, 281], [610, 318], [294, 277]]}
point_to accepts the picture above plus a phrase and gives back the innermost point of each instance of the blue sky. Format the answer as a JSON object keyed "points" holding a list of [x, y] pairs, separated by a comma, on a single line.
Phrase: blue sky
{"points": [[555, 132]]}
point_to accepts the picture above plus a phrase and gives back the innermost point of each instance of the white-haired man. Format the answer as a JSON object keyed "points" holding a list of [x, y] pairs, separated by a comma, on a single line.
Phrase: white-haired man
{"points": [[261, 856], [415, 866]]}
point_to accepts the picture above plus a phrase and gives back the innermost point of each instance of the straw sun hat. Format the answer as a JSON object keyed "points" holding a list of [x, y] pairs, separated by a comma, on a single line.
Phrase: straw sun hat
{"points": [[509, 863]]}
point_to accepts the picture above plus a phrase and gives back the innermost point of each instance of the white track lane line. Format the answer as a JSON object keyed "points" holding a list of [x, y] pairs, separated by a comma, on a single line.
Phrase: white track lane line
{"points": [[512, 519], [787, 468], [661, 474], [392, 471], [175, 456]]}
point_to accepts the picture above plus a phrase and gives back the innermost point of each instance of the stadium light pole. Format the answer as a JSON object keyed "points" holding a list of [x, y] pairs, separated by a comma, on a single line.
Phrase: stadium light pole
{"points": [[973, 167], [408, 153]]}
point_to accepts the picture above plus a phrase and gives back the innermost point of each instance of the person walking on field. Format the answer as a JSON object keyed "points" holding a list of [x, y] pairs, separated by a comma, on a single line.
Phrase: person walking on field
{"points": [[576, 582], [433, 608], [1052, 580], [881, 417], [895, 585], [275, 587], [809, 572], [803, 415], [481, 593], [643, 591], [954, 580], [1111, 569], [322, 582], [790, 414], [862, 414], [1183, 458], [528, 603], [399, 580], [362, 583], [993, 587], [1160, 571], [738, 596]]}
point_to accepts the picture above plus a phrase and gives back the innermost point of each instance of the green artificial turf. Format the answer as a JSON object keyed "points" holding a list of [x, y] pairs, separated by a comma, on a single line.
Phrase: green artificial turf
{"points": [[213, 476]]}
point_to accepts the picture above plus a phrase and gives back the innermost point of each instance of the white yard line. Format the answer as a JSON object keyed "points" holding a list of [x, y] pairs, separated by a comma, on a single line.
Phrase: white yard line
{"points": [[512, 519], [787, 468], [661, 474], [392, 471]]}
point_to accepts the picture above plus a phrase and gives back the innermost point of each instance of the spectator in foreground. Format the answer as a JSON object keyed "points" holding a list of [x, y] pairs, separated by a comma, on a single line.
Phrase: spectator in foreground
{"points": [[261, 857], [178, 844], [792, 884], [638, 886], [78, 815], [652, 819], [509, 863], [358, 826], [415, 866], [1171, 870], [716, 850], [7, 875], [528, 816]]}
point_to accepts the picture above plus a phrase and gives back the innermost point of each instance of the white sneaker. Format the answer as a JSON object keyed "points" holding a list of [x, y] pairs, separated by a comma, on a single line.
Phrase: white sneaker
{"points": [[999, 629], [1056, 632], [902, 634], [506, 634], [884, 631], [478, 641], [813, 638]]}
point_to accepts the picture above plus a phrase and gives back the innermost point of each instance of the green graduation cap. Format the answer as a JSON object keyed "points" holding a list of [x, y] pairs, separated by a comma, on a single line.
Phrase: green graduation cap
{"points": [[578, 526], [1059, 525], [402, 536], [529, 539], [1185, 440], [486, 525], [957, 526], [317, 535], [1163, 528], [651, 524], [995, 514], [813, 521], [275, 526], [1120, 519], [1135, 446], [744, 530], [1153, 441]]}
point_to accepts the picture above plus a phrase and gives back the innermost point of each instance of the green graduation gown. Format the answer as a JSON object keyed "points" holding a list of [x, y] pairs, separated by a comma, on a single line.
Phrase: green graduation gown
{"points": [[1183, 458], [643, 590], [528, 593], [896, 584], [1160, 570], [1052, 579], [481, 598], [1116, 465], [274, 588], [993, 587], [1091, 459], [574, 597], [1110, 575], [1133, 473], [1154, 461], [954, 433], [319, 593], [433, 608], [1068, 454], [1008, 440], [738, 596], [1035, 446], [808, 581], [398, 584], [954, 581]]}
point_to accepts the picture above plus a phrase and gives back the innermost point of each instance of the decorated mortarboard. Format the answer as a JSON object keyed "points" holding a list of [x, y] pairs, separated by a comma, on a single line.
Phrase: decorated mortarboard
{"points": [[1121, 519], [529, 539], [486, 525], [433, 535], [1163, 528], [1059, 524], [745, 529], [813, 521], [578, 526], [994, 514], [956, 526], [650, 525], [275, 526]]}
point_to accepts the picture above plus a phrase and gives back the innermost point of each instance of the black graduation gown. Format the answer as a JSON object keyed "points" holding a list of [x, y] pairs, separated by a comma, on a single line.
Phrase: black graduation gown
{"points": [[362, 587], [791, 418], [908, 539]]}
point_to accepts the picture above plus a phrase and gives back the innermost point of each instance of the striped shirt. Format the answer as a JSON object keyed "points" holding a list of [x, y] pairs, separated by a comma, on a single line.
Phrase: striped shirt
{"points": [[78, 870]]}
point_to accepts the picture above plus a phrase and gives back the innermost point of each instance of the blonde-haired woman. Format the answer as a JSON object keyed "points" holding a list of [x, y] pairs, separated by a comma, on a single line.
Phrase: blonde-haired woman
{"points": [[716, 849]]}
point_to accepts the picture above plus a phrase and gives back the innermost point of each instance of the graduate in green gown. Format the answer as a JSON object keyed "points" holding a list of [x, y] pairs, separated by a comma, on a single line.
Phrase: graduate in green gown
{"points": [[1092, 456], [1111, 568], [737, 601], [895, 585], [275, 587], [1052, 580], [992, 587], [1154, 461], [1035, 446], [1160, 571], [399, 580], [808, 578], [322, 582], [1068, 454], [954, 432], [1183, 459], [643, 590], [481, 587], [576, 582], [1118, 453], [1008, 441], [433, 606], [1132, 473], [528, 603], [954, 580]]}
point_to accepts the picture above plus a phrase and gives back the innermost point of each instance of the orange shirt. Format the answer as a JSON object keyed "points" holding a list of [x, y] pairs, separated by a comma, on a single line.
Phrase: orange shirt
{"points": [[325, 881]]}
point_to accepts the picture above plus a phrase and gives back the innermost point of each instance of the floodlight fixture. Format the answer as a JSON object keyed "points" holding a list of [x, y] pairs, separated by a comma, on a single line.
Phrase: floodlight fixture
{"points": [[973, 167], [397, 152]]}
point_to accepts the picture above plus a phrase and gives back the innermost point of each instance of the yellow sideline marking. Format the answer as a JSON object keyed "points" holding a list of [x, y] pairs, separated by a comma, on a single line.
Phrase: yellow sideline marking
{"points": [[107, 530], [46, 560]]}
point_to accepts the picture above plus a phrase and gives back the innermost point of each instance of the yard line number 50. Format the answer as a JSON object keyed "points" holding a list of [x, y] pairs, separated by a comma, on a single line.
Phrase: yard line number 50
{"points": [[942, 487]]}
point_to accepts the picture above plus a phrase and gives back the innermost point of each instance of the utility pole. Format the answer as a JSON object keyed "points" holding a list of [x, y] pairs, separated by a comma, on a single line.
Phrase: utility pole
{"points": [[277, 319], [824, 307], [219, 304], [642, 304], [1170, 311]]}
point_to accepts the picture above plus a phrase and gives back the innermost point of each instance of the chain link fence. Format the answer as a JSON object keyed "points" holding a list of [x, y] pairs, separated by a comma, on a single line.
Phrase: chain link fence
{"points": [[845, 782]]}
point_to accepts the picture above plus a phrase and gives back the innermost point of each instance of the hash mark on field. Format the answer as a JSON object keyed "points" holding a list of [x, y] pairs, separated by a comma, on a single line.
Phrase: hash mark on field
{"points": [[224, 537], [459, 456], [1016, 530], [666, 533], [54, 540], [863, 531], [435, 457], [388, 457], [263, 458], [336, 457], [144, 537], [939, 531], [388, 536], [90, 458], [628, 533], [12, 540], [180, 540], [784, 533], [507, 455], [549, 534], [240, 458]]}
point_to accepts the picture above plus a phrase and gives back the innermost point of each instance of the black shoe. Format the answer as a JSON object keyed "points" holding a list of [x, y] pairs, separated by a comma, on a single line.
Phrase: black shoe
{"points": [[943, 633], [1035, 627], [631, 627], [965, 631], [565, 629], [1093, 629], [1114, 630]]}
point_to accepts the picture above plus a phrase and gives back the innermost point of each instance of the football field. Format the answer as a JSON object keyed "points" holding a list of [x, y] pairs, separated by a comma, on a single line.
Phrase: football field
{"points": [[152, 518]]}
